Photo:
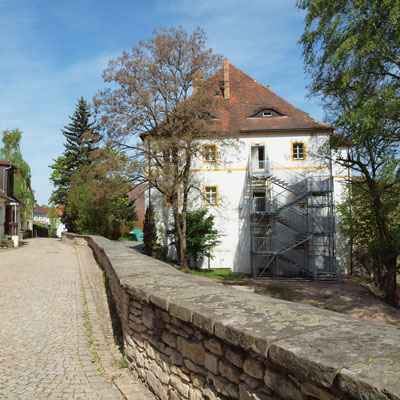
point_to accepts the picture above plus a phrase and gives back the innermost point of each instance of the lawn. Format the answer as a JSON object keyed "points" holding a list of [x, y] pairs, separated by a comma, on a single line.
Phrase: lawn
{"points": [[222, 274]]}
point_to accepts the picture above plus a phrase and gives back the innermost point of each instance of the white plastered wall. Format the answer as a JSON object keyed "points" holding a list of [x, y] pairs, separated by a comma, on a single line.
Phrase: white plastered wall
{"points": [[229, 174]]}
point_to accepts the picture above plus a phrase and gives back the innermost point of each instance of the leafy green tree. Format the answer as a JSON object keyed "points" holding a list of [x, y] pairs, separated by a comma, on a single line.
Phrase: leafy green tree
{"points": [[357, 220], [81, 138], [53, 216], [201, 235], [351, 51], [149, 230], [11, 152], [97, 201]]}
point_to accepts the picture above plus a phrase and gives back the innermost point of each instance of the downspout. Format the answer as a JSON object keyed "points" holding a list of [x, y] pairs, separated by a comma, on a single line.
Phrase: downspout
{"points": [[4, 177], [15, 219]]}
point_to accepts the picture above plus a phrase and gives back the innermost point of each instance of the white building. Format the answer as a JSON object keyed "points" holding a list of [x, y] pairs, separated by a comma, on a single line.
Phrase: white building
{"points": [[272, 193]]}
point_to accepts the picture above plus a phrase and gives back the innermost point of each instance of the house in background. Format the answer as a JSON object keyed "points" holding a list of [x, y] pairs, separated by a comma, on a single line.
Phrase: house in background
{"points": [[10, 205], [59, 226], [42, 216], [272, 194], [137, 194]]}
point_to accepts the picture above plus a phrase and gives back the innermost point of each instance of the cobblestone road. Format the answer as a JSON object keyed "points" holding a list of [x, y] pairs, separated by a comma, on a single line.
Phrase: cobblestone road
{"points": [[44, 349]]}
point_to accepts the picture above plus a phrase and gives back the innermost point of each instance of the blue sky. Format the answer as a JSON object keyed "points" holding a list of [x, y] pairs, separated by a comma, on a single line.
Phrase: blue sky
{"points": [[53, 52]]}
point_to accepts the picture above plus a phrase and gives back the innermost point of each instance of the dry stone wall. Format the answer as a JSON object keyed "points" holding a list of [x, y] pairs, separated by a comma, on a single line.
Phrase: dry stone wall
{"points": [[189, 339]]}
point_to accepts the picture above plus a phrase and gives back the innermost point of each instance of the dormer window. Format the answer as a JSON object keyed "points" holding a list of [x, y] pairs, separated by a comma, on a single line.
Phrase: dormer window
{"points": [[267, 113]]}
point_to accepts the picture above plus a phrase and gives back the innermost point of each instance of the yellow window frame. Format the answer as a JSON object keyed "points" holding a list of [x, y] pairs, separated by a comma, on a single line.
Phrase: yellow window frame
{"points": [[205, 202], [215, 147], [304, 150]]}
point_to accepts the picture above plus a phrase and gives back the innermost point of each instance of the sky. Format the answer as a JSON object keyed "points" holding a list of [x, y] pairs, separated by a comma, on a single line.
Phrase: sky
{"points": [[54, 52]]}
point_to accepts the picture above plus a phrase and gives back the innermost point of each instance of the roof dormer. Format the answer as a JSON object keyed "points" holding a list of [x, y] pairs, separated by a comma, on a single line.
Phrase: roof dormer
{"points": [[267, 113]]}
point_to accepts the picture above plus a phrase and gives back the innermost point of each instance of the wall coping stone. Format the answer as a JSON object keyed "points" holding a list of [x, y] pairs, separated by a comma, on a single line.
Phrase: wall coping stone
{"points": [[361, 357]]}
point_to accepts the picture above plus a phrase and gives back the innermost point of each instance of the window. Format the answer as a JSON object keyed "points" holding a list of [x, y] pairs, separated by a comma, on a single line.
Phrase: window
{"points": [[210, 195], [210, 153], [298, 151], [266, 113]]}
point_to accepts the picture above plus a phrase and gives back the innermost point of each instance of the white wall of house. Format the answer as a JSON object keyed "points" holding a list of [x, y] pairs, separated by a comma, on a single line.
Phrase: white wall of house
{"points": [[43, 219], [229, 175]]}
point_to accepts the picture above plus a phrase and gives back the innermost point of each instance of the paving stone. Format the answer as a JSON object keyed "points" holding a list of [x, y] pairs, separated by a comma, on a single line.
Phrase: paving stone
{"points": [[43, 344]]}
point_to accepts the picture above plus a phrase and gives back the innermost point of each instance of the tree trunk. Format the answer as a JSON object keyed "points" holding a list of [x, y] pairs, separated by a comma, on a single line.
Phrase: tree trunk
{"points": [[391, 282], [180, 240], [397, 299]]}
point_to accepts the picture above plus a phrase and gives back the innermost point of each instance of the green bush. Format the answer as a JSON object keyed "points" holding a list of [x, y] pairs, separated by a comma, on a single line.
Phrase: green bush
{"points": [[41, 231]]}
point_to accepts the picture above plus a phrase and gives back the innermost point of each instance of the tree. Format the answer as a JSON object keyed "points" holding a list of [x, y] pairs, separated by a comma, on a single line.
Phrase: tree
{"points": [[159, 95], [201, 235], [358, 222], [351, 50], [53, 216], [81, 138], [97, 201], [149, 231], [11, 152]]}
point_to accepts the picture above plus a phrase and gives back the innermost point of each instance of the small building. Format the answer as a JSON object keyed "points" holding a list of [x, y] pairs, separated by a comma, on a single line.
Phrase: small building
{"points": [[40, 215], [10, 205], [137, 194]]}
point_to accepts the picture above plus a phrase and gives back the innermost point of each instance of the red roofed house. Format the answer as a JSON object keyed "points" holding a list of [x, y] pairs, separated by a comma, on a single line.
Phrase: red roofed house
{"points": [[272, 196], [137, 194], [10, 205]]}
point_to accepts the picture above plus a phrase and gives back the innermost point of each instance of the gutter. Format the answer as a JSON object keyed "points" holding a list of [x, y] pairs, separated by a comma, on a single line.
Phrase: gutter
{"points": [[286, 130]]}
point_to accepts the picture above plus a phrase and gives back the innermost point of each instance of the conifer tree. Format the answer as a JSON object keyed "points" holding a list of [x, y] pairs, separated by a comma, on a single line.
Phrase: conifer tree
{"points": [[81, 138], [149, 231]]}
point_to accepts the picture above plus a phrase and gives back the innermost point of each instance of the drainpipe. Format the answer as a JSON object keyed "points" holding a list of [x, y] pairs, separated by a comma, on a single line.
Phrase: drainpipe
{"points": [[4, 177], [15, 219]]}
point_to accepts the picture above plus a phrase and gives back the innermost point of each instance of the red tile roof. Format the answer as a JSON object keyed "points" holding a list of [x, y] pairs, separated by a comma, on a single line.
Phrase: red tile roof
{"points": [[59, 210], [248, 97]]}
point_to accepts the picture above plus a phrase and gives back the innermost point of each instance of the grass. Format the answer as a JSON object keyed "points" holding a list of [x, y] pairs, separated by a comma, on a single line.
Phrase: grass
{"points": [[122, 363], [89, 331], [222, 274]]}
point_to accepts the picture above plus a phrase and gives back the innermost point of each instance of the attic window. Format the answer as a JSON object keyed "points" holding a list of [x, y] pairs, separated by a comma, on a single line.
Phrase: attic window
{"points": [[266, 113]]}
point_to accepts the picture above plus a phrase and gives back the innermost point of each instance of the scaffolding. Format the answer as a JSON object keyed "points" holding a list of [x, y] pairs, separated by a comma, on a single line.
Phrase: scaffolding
{"points": [[292, 223]]}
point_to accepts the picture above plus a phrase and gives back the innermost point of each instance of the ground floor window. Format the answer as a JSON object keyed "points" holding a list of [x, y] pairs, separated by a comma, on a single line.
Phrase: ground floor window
{"points": [[211, 195]]}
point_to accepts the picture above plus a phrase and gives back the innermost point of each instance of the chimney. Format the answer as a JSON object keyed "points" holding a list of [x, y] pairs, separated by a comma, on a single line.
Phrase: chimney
{"points": [[197, 78], [269, 87], [227, 93]]}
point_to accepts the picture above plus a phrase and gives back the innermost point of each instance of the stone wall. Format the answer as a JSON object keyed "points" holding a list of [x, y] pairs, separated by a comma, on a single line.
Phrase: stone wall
{"points": [[191, 339]]}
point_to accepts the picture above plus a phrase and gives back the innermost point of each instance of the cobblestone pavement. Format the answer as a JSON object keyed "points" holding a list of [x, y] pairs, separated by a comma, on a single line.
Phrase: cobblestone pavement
{"points": [[47, 291]]}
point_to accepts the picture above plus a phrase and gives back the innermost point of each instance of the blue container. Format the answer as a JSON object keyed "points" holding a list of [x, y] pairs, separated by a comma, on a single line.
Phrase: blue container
{"points": [[136, 235]]}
